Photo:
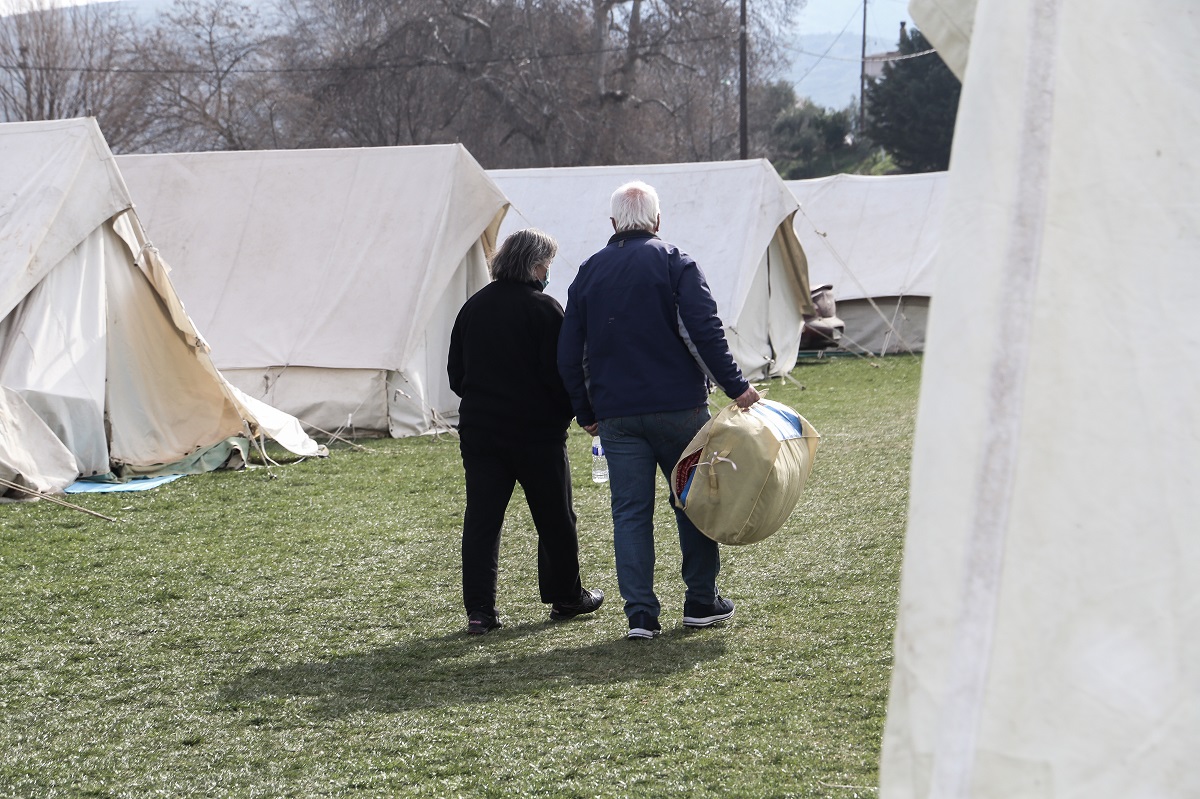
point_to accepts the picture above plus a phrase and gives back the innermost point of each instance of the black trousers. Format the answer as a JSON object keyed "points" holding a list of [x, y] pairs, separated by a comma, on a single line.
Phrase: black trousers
{"points": [[492, 470]]}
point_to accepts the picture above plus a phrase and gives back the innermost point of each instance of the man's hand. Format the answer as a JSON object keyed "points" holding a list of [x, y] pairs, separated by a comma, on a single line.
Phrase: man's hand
{"points": [[748, 398], [592, 428]]}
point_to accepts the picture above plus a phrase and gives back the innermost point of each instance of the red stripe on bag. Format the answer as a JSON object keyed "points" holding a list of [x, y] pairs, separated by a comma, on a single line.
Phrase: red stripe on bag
{"points": [[684, 469]]}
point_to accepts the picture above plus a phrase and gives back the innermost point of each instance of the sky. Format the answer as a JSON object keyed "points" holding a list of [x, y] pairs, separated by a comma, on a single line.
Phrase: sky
{"points": [[824, 58], [9, 6], [831, 16]]}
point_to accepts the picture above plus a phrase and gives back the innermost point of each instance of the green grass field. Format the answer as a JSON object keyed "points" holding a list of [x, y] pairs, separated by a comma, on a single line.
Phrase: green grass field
{"points": [[298, 632]]}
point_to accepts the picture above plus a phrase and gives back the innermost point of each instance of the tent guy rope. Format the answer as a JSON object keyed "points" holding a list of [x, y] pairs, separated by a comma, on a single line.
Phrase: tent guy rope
{"points": [[34, 493], [842, 262]]}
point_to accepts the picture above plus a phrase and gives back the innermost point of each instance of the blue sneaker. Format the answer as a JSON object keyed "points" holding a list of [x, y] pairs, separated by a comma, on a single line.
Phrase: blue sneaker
{"points": [[642, 625], [698, 615]]}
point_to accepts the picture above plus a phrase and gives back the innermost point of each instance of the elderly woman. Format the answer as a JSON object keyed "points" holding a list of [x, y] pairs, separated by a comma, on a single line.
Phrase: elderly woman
{"points": [[512, 428]]}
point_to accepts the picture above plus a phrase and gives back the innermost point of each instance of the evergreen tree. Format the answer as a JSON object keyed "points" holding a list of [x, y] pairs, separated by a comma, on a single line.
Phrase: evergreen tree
{"points": [[804, 140], [912, 107], [810, 142]]}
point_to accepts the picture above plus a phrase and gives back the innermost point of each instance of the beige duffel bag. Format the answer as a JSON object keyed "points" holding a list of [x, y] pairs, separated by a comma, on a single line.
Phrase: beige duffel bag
{"points": [[743, 473]]}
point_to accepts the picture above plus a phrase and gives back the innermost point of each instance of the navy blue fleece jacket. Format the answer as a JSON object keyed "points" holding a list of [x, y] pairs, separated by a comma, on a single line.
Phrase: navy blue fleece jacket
{"points": [[640, 332]]}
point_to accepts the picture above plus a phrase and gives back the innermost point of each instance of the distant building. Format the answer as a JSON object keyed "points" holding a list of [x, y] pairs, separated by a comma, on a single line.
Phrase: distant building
{"points": [[873, 64]]}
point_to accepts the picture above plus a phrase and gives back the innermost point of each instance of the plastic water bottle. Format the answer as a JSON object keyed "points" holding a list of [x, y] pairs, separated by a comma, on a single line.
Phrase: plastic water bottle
{"points": [[599, 462]]}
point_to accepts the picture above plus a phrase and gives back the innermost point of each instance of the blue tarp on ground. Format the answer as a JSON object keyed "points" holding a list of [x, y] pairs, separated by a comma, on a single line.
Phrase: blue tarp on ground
{"points": [[137, 484]]}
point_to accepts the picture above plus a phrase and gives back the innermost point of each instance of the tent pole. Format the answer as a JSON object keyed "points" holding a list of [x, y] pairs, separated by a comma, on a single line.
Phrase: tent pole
{"points": [[31, 492]]}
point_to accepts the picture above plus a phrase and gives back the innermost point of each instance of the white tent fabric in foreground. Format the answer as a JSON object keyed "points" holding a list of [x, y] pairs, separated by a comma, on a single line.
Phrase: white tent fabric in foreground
{"points": [[733, 217], [1048, 640], [874, 238], [327, 280], [101, 371]]}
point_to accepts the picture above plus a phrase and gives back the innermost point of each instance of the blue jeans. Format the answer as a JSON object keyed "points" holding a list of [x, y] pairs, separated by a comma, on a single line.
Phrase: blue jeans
{"points": [[636, 446]]}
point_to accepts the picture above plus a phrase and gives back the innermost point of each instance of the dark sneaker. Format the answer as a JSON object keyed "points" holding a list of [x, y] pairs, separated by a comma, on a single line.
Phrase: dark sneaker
{"points": [[698, 615], [589, 601], [480, 622], [642, 625]]}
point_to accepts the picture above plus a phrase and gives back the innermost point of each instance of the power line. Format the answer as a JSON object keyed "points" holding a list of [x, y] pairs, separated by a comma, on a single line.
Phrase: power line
{"points": [[521, 58], [422, 63], [823, 55], [871, 59]]}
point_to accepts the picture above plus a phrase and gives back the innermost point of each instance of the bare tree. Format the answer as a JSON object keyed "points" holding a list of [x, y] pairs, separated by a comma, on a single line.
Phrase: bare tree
{"points": [[210, 79], [528, 84], [664, 76], [520, 82], [366, 71], [59, 63], [670, 71]]}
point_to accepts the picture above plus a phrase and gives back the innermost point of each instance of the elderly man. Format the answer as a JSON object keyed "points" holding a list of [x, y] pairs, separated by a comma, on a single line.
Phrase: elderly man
{"points": [[638, 344]]}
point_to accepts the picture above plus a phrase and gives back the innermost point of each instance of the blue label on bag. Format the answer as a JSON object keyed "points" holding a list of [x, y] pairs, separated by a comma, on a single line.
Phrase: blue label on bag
{"points": [[780, 419]]}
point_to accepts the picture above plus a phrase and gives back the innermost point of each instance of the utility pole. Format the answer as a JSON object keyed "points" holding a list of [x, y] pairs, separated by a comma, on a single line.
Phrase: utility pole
{"points": [[862, 75], [743, 132]]}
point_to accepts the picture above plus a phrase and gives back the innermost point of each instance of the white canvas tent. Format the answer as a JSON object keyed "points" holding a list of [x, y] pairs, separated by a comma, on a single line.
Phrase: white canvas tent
{"points": [[327, 280], [1048, 640], [733, 217], [874, 238], [101, 370]]}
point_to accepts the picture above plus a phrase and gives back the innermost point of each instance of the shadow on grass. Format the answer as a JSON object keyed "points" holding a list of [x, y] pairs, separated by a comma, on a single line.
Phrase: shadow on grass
{"points": [[457, 669]]}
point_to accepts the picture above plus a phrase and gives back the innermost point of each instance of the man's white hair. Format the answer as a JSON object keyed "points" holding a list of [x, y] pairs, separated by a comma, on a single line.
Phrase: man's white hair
{"points": [[635, 207]]}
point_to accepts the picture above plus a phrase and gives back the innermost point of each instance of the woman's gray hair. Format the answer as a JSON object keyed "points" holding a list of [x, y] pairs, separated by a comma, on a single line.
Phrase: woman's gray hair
{"points": [[635, 207], [521, 253]]}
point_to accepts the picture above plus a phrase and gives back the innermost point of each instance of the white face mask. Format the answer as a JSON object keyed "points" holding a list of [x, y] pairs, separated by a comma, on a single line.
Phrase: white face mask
{"points": [[545, 281]]}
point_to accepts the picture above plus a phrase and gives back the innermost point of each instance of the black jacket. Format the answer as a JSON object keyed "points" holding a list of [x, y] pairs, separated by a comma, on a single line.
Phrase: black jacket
{"points": [[503, 363]]}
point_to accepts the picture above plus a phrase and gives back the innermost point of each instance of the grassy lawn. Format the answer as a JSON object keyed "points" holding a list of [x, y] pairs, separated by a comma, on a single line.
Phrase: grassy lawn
{"points": [[298, 631]]}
